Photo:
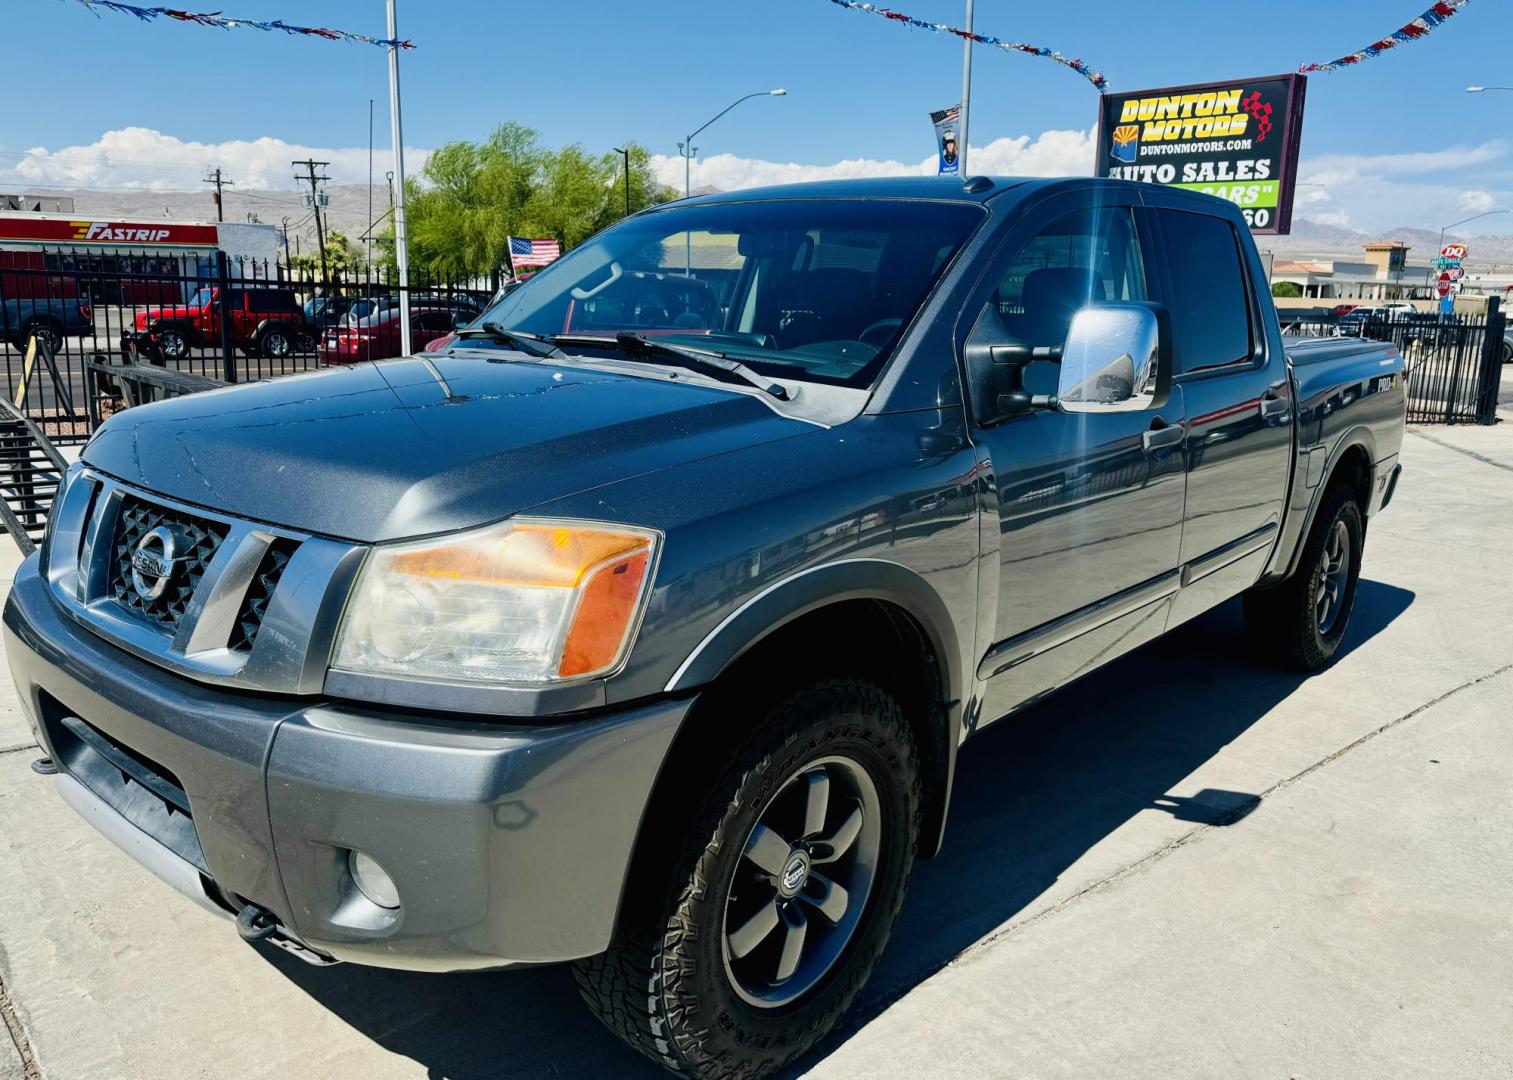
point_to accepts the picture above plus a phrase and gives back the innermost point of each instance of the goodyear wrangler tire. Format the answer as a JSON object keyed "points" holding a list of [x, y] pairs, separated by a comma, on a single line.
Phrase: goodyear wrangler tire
{"points": [[782, 896]]}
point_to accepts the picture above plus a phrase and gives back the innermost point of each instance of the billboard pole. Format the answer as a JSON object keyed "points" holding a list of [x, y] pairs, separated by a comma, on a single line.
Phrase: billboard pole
{"points": [[401, 237], [966, 92]]}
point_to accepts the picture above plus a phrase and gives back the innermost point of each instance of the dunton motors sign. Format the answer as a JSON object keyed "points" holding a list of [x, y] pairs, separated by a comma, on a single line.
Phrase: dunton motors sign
{"points": [[65, 233], [1237, 140]]}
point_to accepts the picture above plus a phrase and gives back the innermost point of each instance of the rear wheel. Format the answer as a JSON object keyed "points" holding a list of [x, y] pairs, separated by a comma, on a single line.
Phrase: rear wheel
{"points": [[1302, 621], [46, 334], [276, 344], [781, 899]]}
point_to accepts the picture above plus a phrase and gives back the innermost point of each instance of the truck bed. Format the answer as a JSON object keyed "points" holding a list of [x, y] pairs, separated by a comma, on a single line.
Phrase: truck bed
{"points": [[1304, 350]]}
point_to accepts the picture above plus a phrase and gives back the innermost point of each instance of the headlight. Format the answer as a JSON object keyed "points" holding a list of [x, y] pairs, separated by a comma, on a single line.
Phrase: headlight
{"points": [[519, 602]]}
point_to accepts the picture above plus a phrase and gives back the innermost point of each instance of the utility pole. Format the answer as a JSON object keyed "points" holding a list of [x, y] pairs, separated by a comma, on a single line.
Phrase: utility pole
{"points": [[216, 179], [966, 93], [626, 155], [285, 231], [315, 196]]}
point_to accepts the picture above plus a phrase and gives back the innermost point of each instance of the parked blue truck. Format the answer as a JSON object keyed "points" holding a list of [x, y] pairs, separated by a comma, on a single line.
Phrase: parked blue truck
{"points": [[642, 626], [51, 319]]}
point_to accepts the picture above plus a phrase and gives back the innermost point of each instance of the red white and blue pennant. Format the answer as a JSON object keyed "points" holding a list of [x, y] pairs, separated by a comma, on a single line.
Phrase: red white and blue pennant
{"points": [[216, 19], [1414, 30], [1094, 77]]}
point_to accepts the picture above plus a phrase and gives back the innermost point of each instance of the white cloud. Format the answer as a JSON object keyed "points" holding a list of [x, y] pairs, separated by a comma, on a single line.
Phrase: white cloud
{"points": [[1052, 153], [138, 157], [1427, 188], [1477, 202]]}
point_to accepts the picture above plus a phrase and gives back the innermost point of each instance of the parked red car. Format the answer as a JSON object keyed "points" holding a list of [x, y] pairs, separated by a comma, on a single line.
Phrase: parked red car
{"points": [[377, 336], [264, 322]]}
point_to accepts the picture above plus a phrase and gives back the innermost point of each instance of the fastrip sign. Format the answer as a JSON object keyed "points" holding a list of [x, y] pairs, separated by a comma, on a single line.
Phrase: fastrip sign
{"points": [[64, 231]]}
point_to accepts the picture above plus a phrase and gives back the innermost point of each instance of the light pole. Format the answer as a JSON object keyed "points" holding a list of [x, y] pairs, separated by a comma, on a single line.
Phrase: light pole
{"points": [[625, 153], [687, 148], [1484, 89], [397, 190]]}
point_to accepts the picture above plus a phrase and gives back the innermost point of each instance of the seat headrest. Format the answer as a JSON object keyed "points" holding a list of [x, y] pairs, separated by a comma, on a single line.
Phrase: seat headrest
{"points": [[1052, 295]]}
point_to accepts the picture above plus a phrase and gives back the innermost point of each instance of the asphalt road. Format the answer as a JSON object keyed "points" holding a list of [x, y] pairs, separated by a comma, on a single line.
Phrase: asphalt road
{"points": [[1187, 865]]}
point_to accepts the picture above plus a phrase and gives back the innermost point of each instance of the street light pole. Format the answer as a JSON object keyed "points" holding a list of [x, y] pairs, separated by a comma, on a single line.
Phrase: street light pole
{"points": [[1484, 89], [401, 236], [1447, 228], [687, 148], [625, 153], [966, 95]]}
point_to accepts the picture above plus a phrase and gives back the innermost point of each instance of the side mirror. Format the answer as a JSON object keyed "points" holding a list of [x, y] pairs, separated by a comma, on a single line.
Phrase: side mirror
{"points": [[1117, 358]]}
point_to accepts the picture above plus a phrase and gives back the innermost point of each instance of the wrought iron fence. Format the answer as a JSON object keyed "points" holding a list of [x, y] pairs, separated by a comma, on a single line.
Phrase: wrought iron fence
{"points": [[216, 318], [1454, 362]]}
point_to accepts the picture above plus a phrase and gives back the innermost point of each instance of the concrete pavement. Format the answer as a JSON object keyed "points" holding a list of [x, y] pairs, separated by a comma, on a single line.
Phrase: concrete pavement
{"points": [[1232, 872]]}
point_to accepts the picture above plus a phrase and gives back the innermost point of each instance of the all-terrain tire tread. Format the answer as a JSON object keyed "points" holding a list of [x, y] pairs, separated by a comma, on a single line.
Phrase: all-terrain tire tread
{"points": [[634, 987]]}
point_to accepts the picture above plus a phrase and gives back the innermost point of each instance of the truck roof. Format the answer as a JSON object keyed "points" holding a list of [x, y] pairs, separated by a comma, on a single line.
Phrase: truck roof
{"points": [[954, 188], [877, 187]]}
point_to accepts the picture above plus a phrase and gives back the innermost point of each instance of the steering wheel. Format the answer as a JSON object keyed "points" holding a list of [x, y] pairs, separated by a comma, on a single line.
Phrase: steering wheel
{"points": [[877, 328]]}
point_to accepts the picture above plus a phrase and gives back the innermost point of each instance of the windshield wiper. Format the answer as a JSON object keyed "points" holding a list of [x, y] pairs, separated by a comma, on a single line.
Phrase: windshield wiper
{"points": [[521, 340], [705, 360]]}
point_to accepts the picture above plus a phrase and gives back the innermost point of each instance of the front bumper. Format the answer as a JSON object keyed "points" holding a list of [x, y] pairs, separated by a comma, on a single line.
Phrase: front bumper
{"points": [[508, 844]]}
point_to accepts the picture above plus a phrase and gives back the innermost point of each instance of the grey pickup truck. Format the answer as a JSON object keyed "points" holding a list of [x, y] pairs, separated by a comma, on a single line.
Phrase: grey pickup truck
{"points": [[642, 626]]}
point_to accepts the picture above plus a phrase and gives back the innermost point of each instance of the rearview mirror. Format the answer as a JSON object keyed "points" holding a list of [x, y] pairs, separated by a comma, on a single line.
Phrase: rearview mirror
{"points": [[1116, 359]]}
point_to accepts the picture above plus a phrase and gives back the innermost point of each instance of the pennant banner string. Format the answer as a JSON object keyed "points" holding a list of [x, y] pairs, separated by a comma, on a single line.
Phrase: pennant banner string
{"points": [[216, 19], [1094, 77], [1414, 30]]}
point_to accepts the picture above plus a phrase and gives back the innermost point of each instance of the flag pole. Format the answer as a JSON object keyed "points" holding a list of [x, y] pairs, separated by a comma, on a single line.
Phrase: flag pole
{"points": [[401, 236], [966, 94]]}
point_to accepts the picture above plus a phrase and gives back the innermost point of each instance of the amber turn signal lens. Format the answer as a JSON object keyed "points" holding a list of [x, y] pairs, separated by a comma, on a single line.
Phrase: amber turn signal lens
{"points": [[605, 608]]}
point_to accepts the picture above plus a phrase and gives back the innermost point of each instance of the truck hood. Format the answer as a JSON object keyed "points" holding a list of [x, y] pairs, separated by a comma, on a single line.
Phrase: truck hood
{"points": [[172, 311], [409, 447]]}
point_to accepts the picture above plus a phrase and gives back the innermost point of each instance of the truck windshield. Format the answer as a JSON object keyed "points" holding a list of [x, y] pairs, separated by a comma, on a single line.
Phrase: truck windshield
{"points": [[817, 289]]}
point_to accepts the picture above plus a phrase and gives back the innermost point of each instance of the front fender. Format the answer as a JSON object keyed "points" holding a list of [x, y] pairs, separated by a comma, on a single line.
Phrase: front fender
{"points": [[818, 587], [812, 589]]}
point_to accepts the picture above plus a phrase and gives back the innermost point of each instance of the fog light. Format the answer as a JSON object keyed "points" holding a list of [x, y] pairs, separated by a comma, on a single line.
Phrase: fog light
{"points": [[372, 880]]}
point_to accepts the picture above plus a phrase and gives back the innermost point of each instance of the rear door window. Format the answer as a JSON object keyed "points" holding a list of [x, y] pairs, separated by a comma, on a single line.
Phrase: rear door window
{"points": [[1210, 305]]}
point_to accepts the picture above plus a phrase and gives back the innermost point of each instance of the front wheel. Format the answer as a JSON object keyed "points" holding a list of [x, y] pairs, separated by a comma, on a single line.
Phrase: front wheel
{"points": [[1302, 621], [782, 897], [173, 344]]}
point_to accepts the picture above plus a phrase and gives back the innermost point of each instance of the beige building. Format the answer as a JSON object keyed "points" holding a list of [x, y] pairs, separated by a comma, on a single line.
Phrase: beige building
{"points": [[1384, 274]]}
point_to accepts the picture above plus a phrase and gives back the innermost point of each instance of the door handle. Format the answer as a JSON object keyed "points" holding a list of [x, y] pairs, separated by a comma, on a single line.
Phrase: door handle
{"points": [[1274, 406], [1161, 435]]}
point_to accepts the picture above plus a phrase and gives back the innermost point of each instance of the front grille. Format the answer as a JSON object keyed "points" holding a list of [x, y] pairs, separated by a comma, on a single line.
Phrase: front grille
{"points": [[255, 604], [196, 541]]}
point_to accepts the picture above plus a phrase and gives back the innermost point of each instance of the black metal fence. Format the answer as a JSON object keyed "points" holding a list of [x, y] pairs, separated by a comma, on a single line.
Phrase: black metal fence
{"points": [[227, 321], [216, 318], [1454, 362]]}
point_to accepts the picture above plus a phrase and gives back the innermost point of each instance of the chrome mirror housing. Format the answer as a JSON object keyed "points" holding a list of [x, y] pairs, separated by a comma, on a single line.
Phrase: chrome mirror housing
{"points": [[1114, 360]]}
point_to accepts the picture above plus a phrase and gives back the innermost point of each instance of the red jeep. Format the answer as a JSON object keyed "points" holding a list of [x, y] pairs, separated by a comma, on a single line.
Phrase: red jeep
{"points": [[264, 322]]}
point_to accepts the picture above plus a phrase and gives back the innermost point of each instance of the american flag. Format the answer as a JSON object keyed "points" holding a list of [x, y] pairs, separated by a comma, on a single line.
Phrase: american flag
{"points": [[525, 252]]}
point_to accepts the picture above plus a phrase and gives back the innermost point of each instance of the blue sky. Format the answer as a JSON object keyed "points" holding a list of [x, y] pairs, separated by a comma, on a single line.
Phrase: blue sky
{"points": [[1394, 141]]}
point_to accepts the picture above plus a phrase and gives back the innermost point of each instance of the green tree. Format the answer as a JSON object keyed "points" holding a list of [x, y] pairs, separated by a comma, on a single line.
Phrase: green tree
{"points": [[1287, 289], [343, 257], [471, 197]]}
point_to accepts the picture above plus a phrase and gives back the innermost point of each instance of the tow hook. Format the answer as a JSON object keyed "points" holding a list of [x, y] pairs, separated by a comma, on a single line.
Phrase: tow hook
{"points": [[256, 923]]}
